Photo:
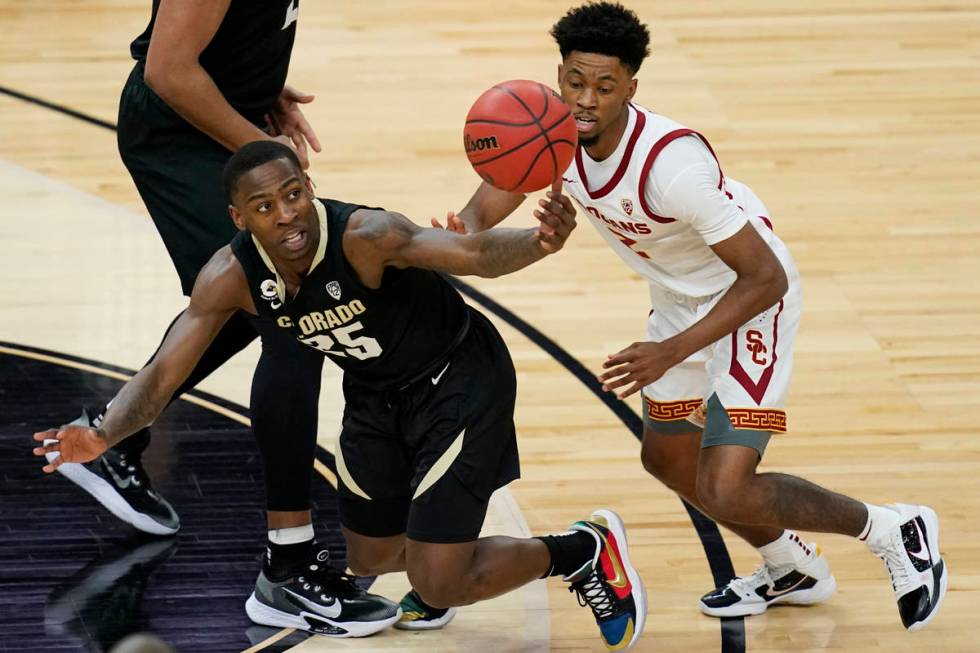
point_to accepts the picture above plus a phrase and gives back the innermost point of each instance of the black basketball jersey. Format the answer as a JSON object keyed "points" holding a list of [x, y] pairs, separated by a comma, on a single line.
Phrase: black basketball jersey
{"points": [[248, 57], [387, 335]]}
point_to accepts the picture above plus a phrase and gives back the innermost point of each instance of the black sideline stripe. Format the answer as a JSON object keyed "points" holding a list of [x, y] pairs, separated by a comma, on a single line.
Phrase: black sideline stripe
{"points": [[732, 628]]}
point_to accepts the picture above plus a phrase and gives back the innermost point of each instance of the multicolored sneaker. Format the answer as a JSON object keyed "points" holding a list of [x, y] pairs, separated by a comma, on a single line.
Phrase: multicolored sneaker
{"points": [[418, 615], [805, 584], [911, 554], [609, 584]]}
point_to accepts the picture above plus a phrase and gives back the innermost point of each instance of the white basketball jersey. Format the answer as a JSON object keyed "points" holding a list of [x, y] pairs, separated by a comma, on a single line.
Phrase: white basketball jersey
{"points": [[666, 251]]}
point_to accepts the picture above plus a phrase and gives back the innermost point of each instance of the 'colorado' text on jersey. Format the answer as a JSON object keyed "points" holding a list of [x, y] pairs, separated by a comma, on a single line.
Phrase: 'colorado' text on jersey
{"points": [[385, 335]]}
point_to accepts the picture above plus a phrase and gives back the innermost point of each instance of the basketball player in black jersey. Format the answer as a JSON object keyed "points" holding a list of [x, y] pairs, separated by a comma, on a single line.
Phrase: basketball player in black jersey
{"points": [[210, 77], [428, 431]]}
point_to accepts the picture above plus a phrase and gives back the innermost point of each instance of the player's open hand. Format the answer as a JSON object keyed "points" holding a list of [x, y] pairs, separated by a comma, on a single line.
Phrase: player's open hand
{"points": [[637, 366], [453, 223], [286, 119], [72, 443], [557, 218]]}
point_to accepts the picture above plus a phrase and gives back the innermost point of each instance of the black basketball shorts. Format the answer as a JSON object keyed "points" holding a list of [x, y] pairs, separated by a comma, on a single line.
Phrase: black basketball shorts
{"points": [[424, 459]]}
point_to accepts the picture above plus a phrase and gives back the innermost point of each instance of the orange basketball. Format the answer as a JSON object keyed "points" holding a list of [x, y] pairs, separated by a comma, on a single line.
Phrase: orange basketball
{"points": [[520, 136]]}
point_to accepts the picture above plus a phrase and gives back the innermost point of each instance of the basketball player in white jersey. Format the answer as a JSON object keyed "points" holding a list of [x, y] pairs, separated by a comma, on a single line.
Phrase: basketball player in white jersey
{"points": [[725, 299]]}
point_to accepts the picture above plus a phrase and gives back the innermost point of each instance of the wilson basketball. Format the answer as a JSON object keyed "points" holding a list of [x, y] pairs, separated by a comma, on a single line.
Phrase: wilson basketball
{"points": [[520, 136]]}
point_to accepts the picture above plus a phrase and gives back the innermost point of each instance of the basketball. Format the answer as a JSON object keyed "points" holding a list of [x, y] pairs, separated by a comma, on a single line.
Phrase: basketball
{"points": [[520, 136]]}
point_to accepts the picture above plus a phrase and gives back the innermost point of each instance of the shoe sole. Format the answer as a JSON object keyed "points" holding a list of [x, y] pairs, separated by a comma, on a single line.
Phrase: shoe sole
{"points": [[822, 591], [427, 624], [105, 494], [931, 519], [639, 597], [266, 615]]}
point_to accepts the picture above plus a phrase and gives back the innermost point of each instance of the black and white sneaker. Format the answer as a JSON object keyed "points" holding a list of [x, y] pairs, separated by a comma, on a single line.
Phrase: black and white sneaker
{"points": [[807, 583], [120, 483], [918, 571], [320, 600]]}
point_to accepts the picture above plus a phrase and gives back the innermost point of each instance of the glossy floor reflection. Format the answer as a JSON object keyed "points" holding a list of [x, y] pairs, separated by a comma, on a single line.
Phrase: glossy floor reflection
{"points": [[73, 578]]}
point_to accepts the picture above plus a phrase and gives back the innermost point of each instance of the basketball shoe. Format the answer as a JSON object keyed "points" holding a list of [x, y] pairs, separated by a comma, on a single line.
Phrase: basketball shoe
{"points": [[608, 583], [910, 549], [118, 481], [417, 615], [320, 600], [806, 583]]}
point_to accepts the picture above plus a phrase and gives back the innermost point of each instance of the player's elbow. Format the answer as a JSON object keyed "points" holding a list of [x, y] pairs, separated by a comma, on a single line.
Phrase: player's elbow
{"points": [[163, 76], [775, 282]]}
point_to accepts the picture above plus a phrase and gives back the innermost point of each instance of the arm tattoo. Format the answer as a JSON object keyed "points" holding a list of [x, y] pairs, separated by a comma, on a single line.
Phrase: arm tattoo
{"points": [[134, 408], [502, 251]]}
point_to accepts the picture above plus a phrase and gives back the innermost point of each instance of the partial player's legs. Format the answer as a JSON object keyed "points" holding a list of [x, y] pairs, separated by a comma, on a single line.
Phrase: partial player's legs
{"points": [[791, 572], [592, 556], [906, 537]]}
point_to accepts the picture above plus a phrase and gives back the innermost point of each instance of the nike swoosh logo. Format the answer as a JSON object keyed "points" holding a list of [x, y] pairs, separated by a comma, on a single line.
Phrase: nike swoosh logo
{"points": [[123, 484], [330, 610], [435, 379], [922, 544], [620, 581], [771, 595]]}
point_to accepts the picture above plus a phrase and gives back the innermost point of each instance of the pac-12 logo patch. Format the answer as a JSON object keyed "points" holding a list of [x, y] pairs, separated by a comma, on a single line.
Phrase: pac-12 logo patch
{"points": [[627, 205], [269, 289], [333, 289]]}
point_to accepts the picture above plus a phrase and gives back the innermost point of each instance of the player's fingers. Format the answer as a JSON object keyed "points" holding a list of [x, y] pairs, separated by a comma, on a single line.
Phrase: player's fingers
{"points": [[556, 185], [49, 448], [52, 466], [309, 134], [50, 434], [544, 227], [301, 151], [435, 223], [633, 389], [611, 384]]}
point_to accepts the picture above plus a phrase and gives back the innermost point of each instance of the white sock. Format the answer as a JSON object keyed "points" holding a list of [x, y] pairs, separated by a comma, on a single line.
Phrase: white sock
{"points": [[880, 521], [788, 550], [293, 535]]}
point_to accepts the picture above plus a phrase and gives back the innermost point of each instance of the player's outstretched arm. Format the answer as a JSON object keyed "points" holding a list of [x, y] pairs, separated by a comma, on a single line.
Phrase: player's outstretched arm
{"points": [[382, 239], [487, 208], [217, 294]]}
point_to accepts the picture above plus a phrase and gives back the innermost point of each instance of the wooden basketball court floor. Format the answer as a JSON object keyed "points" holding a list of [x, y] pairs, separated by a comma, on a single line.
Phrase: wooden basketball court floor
{"points": [[857, 122]]}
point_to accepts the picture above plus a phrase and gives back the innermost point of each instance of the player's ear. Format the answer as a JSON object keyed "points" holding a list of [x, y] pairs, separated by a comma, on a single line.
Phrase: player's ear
{"points": [[308, 182], [632, 91], [561, 71], [236, 217]]}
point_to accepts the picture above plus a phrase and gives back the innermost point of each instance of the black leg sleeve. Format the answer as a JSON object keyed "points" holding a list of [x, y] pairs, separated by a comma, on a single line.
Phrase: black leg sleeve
{"points": [[285, 393]]}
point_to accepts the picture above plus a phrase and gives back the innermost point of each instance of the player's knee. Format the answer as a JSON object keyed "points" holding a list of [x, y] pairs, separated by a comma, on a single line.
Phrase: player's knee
{"points": [[448, 588], [367, 563], [438, 590], [660, 463], [720, 495]]}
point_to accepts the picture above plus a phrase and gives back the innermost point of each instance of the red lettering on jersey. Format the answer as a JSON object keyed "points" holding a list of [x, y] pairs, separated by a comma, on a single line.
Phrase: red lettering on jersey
{"points": [[755, 345]]}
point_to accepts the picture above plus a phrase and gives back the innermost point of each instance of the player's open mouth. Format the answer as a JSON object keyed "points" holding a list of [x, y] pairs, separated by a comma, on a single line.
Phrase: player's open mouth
{"points": [[584, 123], [295, 241]]}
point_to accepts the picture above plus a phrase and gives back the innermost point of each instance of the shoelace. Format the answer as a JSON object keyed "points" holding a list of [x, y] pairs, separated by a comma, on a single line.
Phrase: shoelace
{"points": [[321, 576], [746, 585], [592, 591], [895, 560]]}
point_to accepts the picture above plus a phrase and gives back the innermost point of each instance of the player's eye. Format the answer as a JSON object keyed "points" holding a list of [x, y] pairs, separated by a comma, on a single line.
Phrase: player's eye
{"points": [[264, 207], [293, 194]]}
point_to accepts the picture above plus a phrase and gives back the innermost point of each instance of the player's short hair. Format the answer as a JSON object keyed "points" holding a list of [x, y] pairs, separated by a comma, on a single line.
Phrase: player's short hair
{"points": [[606, 28], [251, 156]]}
